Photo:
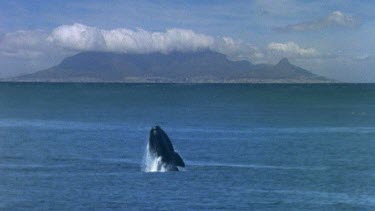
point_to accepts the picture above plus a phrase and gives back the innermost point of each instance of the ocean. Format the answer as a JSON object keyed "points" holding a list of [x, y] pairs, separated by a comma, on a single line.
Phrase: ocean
{"points": [[72, 146]]}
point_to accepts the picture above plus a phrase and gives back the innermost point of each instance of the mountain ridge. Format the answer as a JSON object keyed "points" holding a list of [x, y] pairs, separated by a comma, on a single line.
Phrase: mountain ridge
{"points": [[175, 67]]}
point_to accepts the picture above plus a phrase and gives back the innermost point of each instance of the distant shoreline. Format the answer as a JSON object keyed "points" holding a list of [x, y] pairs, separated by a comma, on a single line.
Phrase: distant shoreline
{"points": [[181, 83], [187, 67]]}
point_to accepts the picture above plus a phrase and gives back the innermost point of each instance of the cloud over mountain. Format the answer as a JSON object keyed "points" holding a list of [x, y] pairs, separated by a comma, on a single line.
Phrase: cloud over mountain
{"points": [[23, 44], [42, 48], [78, 37], [291, 49], [85, 38], [334, 19]]}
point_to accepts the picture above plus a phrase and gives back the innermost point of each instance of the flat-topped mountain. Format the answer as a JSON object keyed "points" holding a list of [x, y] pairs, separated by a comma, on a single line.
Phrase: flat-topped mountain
{"points": [[178, 67]]}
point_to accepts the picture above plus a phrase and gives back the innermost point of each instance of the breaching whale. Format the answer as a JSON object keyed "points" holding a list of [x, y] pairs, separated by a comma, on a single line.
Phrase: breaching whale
{"points": [[160, 148]]}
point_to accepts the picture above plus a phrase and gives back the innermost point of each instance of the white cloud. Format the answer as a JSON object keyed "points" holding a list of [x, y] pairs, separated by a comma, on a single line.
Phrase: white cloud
{"points": [[334, 19], [236, 49], [43, 49], [341, 19], [38, 49], [69, 39], [291, 49], [77, 37], [85, 38], [362, 57], [28, 51], [23, 44]]}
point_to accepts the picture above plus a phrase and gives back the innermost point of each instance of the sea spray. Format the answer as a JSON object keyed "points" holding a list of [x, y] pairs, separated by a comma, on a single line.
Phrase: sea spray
{"points": [[151, 162]]}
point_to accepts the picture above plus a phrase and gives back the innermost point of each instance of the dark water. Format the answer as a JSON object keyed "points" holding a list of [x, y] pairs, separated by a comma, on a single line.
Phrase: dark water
{"points": [[80, 146]]}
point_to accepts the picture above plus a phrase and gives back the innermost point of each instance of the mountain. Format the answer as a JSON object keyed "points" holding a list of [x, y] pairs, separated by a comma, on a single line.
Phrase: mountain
{"points": [[179, 67]]}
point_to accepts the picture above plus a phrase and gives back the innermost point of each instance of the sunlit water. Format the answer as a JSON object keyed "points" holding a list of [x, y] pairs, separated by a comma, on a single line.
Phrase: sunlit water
{"points": [[82, 146]]}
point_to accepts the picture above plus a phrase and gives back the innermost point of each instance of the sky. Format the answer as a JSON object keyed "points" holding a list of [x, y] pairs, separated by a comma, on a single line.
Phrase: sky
{"points": [[335, 39]]}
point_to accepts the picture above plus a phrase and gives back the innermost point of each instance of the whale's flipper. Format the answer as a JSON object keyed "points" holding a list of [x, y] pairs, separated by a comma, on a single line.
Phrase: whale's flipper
{"points": [[178, 160]]}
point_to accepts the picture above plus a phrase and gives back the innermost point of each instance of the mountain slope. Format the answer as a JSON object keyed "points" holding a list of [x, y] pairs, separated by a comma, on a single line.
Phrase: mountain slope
{"points": [[203, 66]]}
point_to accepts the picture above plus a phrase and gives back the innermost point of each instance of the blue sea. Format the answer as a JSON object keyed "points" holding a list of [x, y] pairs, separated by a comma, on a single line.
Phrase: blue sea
{"points": [[71, 146]]}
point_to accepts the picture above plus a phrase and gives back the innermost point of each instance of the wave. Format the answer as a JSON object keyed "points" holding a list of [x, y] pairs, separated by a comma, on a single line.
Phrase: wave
{"points": [[32, 166], [99, 160], [320, 197], [80, 125], [71, 162], [284, 130], [150, 164], [253, 166], [66, 125]]}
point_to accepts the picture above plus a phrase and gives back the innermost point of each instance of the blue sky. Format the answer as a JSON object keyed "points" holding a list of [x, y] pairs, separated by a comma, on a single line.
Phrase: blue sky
{"points": [[330, 38]]}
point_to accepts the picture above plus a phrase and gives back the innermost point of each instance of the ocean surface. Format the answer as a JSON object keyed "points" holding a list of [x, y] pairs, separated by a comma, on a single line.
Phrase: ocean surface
{"points": [[282, 147]]}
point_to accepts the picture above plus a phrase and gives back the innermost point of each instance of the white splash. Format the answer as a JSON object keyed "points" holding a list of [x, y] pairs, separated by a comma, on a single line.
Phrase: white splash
{"points": [[152, 163]]}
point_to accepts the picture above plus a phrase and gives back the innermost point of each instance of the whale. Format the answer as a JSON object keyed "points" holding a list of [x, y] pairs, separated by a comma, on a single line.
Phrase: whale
{"points": [[160, 148]]}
